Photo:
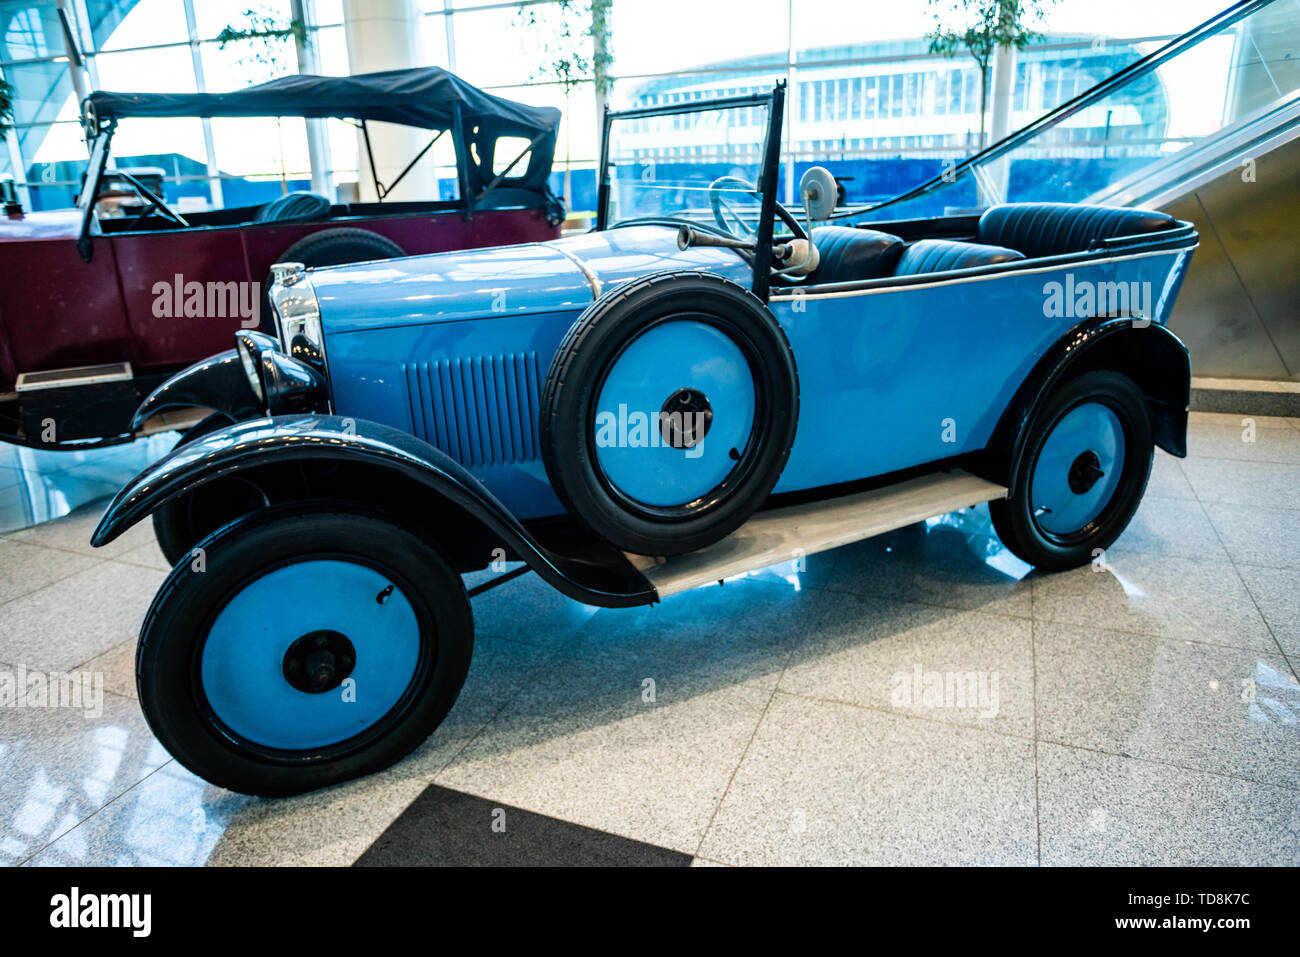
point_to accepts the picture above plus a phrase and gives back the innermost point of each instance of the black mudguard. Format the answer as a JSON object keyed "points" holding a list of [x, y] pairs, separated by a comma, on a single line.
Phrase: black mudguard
{"points": [[217, 383], [288, 438]]}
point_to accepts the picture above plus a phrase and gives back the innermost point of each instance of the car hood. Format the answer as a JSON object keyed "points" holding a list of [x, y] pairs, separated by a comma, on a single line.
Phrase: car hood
{"points": [[561, 275], [55, 224]]}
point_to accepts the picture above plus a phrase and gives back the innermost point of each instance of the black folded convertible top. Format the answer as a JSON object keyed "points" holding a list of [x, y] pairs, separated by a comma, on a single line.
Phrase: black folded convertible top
{"points": [[423, 97]]}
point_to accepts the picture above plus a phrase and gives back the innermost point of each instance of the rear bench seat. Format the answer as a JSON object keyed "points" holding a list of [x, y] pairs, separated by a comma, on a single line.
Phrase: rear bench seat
{"points": [[1005, 234]]}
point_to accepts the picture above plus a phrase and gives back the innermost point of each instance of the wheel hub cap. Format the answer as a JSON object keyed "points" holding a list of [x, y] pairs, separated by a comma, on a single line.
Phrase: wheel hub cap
{"points": [[1084, 472], [1078, 469], [685, 418], [319, 661]]}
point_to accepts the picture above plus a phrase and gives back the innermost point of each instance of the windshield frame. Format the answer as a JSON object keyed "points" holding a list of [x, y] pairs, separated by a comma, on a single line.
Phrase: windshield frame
{"points": [[761, 260]]}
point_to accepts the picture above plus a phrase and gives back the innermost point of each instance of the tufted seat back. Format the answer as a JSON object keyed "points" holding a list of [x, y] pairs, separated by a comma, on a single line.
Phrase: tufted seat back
{"points": [[1049, 229], [848, 254], [940, 255]]}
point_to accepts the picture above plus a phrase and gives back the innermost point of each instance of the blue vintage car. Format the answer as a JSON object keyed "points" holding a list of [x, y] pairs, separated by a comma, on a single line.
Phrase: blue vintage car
{"points": [[702, 385]]}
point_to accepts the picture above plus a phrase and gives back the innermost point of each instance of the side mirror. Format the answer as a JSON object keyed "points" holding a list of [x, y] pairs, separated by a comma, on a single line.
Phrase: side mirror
{"points": [[818, 191]]}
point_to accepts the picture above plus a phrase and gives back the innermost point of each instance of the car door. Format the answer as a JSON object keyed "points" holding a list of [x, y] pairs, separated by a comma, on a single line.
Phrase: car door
{"points": [[186, 292]]}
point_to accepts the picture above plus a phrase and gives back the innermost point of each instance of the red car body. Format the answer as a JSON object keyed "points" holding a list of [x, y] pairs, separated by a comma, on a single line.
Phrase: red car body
{"points": [[84, 335]]}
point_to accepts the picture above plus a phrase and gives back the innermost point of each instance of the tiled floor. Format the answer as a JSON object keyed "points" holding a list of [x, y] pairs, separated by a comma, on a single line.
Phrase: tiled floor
{"points": [[1144, 710]]}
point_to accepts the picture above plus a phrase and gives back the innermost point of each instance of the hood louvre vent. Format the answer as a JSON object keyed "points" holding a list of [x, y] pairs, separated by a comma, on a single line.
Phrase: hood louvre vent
{"points": [[480, 410]]}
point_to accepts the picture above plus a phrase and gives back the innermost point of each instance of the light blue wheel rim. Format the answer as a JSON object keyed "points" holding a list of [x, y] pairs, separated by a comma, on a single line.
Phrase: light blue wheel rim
{"points": [[673, 355], [1057, 508], [242, 666]]}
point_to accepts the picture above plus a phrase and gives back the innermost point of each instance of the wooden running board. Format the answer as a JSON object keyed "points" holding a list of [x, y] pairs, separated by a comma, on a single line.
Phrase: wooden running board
{"points": [[785, 533]]}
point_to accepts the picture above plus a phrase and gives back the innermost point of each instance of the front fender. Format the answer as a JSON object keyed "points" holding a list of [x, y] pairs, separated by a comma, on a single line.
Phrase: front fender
{"points": [[289, 438], [218, 383]]}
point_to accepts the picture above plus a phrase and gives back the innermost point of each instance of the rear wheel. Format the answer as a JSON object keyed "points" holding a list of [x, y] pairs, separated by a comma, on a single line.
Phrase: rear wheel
{"points": [[315, 646], [1084, 466]]}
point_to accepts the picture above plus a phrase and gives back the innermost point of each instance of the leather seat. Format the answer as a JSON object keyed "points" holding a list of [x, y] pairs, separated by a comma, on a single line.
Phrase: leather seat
{"points": [[941, 255], [1049, 229], [847, 254], [299, 205]]}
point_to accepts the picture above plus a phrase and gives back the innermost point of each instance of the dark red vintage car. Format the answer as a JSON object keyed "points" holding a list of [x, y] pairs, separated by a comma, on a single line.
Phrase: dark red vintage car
{"points": [[100, 304]]}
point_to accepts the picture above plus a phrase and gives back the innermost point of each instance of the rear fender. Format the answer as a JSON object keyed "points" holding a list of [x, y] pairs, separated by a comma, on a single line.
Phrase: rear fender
{"points": [[1147, 352]]}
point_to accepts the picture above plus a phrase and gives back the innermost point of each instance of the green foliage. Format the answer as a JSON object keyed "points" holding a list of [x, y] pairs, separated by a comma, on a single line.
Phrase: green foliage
{"points": [[574, 41], [268, 34], [6, 107], [979, 27]]}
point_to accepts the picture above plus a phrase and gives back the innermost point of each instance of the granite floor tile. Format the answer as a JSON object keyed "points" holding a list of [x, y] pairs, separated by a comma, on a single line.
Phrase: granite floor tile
{"points": [[1221, 710], [1100, 809], [961, 667], [72, 532], [1246, 439], [1234, 482], [173, 817], [117, 665], [25, 568], [79, 617], [1277, 594], [58, 765], [1167, 479], [1177, 527], [826, 783], [637, 741], [1258, 536], [1154, 594]]}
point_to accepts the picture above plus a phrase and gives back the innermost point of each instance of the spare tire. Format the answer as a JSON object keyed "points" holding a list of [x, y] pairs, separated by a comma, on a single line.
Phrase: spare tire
{"points": [[669, 412], [334, 247]]}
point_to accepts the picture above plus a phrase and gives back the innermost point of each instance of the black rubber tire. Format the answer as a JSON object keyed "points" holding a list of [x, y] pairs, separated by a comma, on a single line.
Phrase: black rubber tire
{"points": [[176, 627], [334, 247], [180, 523], [578, 371], [1012, 517]]}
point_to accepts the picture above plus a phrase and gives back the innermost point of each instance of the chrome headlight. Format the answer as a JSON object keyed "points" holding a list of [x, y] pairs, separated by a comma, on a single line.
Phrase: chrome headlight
{"points": [[297, 315], [281, 383], [250, 346]]}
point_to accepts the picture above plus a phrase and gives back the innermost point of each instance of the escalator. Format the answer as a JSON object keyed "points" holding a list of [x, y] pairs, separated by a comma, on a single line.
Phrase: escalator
{"points": [[1206, 128]]}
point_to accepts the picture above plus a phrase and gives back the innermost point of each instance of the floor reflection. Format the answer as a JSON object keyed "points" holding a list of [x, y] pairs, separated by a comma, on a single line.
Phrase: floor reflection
{"points": [[37, 485]]}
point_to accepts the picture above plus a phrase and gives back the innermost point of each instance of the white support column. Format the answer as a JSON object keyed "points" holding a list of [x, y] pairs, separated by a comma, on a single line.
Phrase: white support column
{"points": [[385, 35], [318, 146], [209, 146], [1001, 92]]}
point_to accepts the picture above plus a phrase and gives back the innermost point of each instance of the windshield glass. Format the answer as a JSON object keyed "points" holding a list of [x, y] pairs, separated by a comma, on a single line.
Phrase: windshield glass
{"points": [[700, 166]]}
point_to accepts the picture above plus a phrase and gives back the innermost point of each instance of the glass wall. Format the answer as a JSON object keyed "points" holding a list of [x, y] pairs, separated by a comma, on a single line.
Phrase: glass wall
{"points": [[865, 95]]}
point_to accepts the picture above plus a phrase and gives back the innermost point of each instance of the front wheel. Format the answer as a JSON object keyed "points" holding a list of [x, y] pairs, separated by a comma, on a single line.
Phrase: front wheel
{"points": [[309, 647], [1085, 461]]}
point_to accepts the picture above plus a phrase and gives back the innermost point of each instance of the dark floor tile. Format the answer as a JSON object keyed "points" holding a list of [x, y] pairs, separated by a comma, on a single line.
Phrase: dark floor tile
{"points": [[446, 828]]}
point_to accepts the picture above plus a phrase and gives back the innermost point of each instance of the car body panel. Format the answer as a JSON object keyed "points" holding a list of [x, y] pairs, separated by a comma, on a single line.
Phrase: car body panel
{"points": [[562, 274], [887, 379]]}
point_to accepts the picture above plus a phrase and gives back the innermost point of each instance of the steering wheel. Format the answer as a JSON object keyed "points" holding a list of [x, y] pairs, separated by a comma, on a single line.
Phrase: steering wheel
{"points": [[152, 203], [724, 211]]}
